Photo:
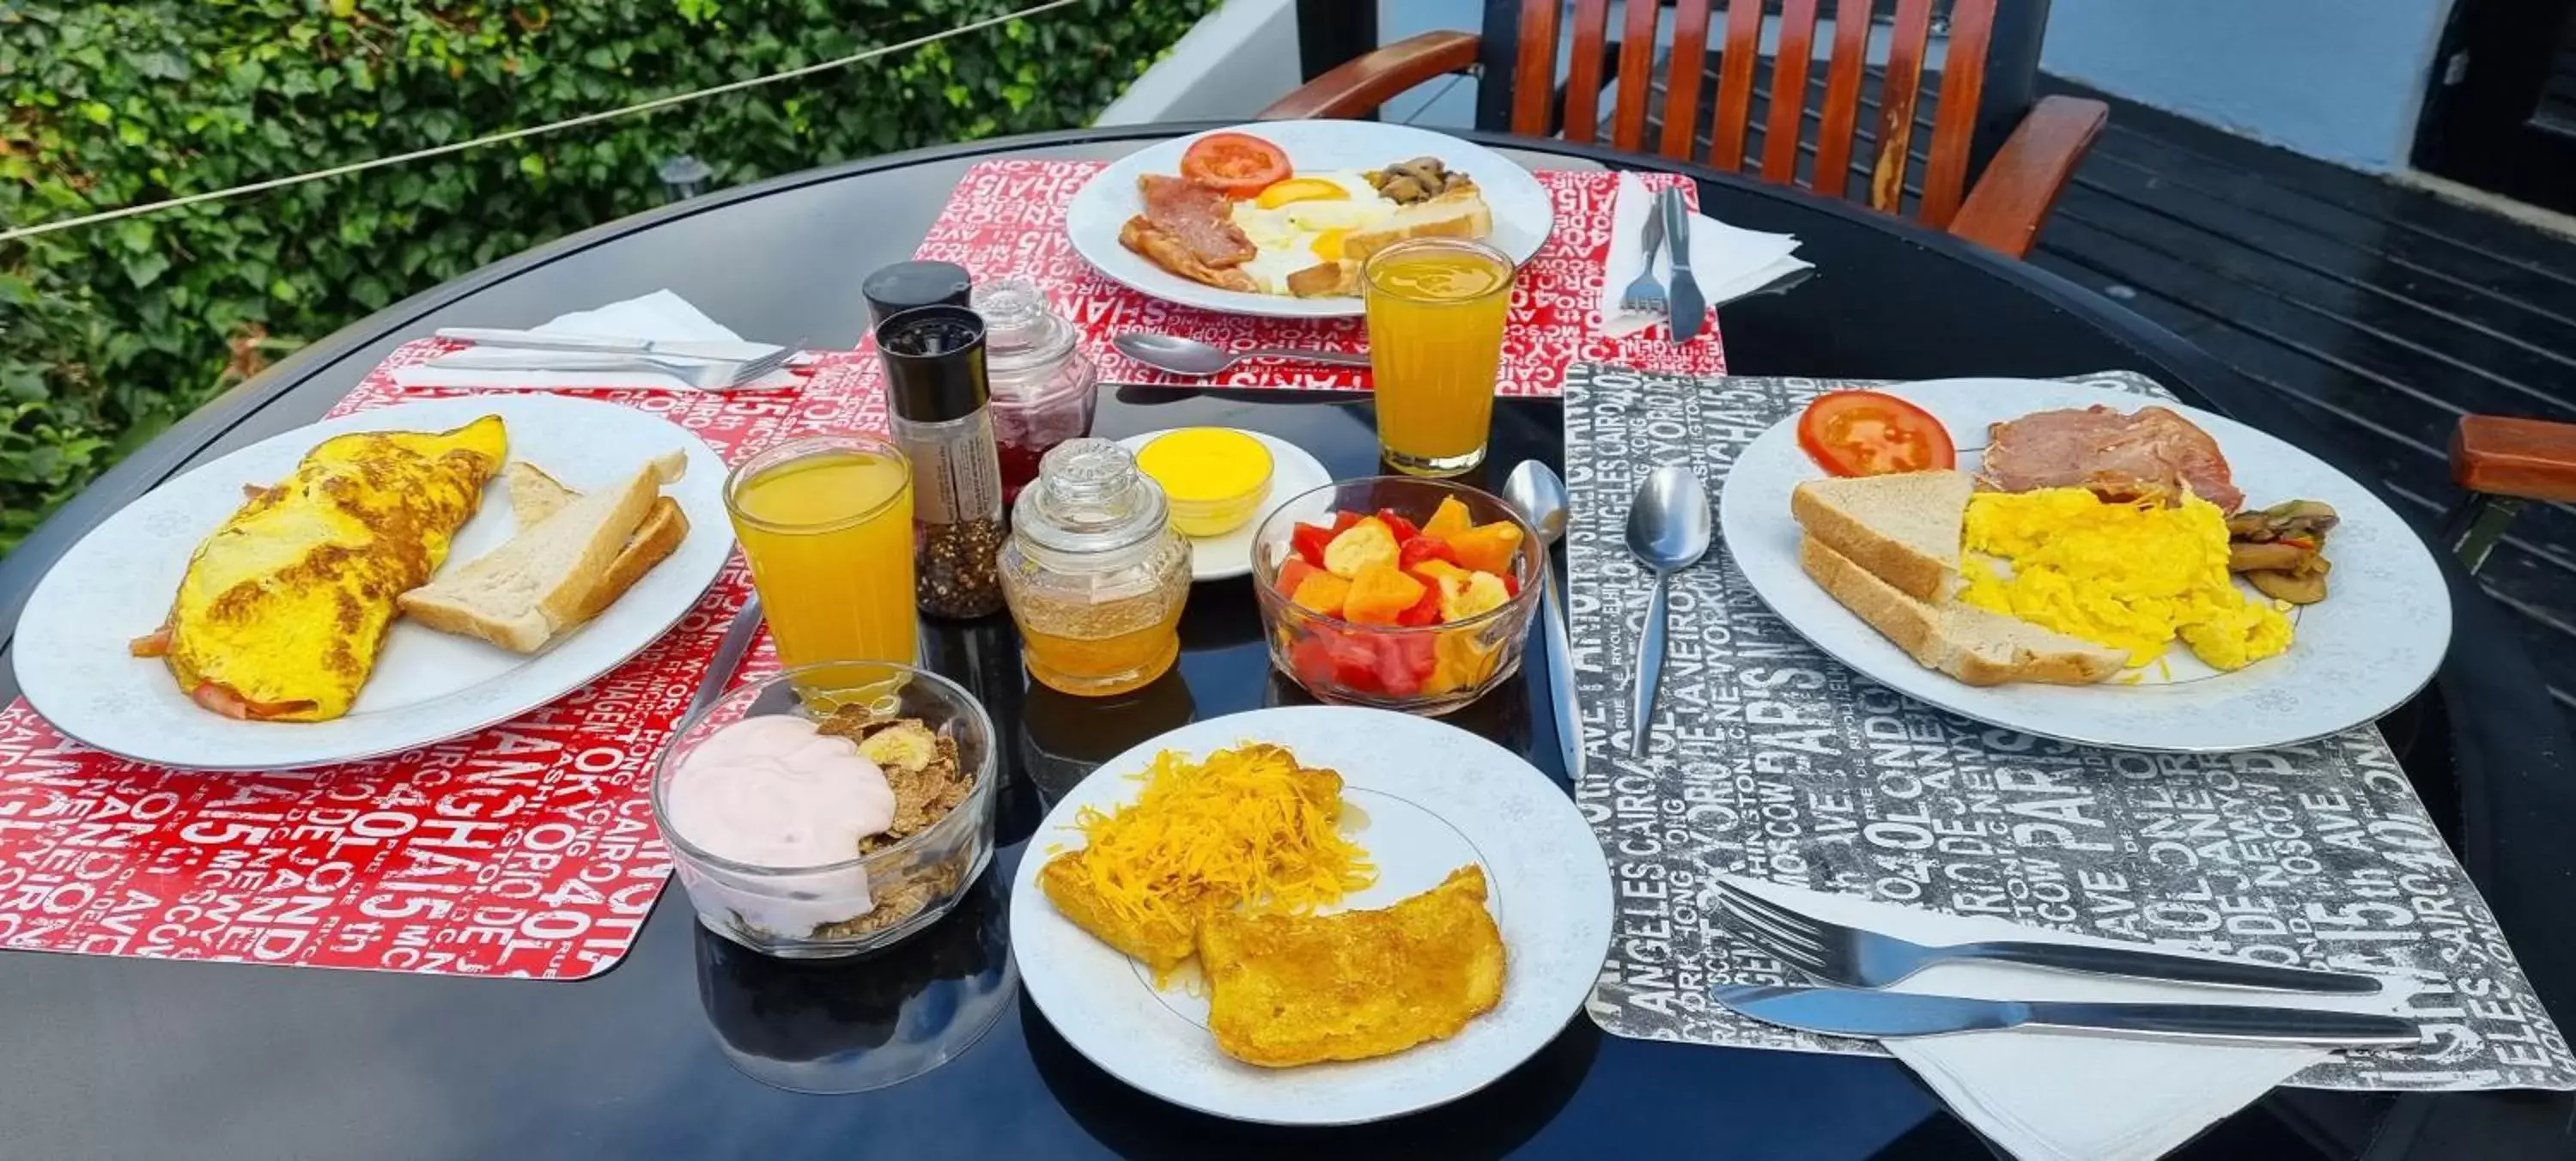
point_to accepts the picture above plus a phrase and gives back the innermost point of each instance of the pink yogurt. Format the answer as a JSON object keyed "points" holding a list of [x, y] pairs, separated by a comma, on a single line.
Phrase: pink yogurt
{"points": [[773, 792]]}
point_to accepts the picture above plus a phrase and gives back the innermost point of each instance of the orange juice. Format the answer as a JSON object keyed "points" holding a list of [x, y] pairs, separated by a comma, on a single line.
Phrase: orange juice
{"points": [[827, 526], [1435, 320]]}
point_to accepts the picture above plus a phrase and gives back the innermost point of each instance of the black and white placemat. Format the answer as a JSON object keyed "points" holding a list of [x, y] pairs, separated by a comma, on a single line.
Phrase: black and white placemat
{"points": [[1778, 763]]}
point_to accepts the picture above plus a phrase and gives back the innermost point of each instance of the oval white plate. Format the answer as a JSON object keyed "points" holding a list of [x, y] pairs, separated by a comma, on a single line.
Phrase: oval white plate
{"points": [[1522, 213], [427, 686], [2358, 654], [1434, 798], [1291, 471]]}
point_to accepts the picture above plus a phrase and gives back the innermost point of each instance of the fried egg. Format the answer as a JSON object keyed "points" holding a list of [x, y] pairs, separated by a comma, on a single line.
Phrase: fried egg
{"points": [[1300, 222], [2134, 576]]}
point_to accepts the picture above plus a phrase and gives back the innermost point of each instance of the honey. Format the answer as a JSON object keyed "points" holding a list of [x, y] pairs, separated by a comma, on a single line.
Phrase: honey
{"points": [[1095, 574]]}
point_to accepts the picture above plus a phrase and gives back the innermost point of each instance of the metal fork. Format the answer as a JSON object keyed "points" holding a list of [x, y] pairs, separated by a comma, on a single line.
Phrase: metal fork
{"points": [[1868, 959], [1645, 295]]}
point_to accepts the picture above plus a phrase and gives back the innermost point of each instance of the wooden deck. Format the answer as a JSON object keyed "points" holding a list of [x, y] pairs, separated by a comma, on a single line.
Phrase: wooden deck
{"points": [[2381, 312]]}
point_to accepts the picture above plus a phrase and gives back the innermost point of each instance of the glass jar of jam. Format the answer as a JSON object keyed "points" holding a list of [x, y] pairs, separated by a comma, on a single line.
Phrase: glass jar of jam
{"points": [[1042, 382], [1094, 572]]}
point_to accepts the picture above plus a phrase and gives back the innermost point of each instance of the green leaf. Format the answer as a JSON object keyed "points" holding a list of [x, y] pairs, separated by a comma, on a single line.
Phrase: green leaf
{"points": [[146, 268], [532, 165]]}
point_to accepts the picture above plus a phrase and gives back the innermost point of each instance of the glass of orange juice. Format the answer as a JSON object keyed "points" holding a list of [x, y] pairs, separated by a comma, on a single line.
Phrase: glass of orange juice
{"points": [[1435, 322], [826, 523]]}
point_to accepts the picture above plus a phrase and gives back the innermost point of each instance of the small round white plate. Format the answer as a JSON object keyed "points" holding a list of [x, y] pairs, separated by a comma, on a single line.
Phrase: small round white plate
{"points": [[2357, 654], [427, 686], [1430, 798], [1522, 213], [1291, 471]]}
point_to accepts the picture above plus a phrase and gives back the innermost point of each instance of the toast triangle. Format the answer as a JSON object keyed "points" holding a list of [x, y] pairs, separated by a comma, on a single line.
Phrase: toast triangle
{"points": [[520, 595]]}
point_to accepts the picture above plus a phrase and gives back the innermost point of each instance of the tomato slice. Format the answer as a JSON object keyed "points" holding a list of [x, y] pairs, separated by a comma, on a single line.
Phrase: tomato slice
{"points": [[1237, 165], [1866, 433]]}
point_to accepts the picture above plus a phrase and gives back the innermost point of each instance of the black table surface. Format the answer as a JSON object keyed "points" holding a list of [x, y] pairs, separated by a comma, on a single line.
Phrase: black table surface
{"points": [[138, 1058]]}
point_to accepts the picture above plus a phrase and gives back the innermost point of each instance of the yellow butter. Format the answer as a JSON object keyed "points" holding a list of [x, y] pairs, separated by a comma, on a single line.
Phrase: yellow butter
{"points": [[1216, 477]]}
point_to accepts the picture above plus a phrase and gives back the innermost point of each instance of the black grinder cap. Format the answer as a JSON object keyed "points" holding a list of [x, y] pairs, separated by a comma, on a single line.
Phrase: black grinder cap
{"points": [[934, 363], [892, 290]]}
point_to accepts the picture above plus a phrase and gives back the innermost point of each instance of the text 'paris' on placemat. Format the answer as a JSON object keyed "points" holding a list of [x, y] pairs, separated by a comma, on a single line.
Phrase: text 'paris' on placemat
{"points": [[1783, 765], [524, 850], [1006, 220]]}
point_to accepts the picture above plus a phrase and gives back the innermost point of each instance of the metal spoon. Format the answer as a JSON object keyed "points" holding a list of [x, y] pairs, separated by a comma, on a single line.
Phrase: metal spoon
{"points": [[1539, 497], [1668, 531], [1182, 356]]}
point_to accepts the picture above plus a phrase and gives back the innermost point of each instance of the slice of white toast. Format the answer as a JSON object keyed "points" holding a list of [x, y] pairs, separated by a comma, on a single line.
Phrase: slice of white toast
{"points": [[520, 595], [1977, 646], [534, 496], [1904, 528]]}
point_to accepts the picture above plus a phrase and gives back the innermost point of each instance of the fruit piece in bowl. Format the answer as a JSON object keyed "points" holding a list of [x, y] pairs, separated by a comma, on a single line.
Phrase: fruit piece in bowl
{"points": [[1396, 592]]}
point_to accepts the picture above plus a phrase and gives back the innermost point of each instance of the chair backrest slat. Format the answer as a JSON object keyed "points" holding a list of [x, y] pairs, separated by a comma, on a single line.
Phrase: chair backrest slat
{"points": [[1534, 70], [1896, 95], [1789, 63], [1636, 75], [1842, 97], [1681, 95], [1735, 84], [1987, 53], [1954, 126], [1583, 75]]}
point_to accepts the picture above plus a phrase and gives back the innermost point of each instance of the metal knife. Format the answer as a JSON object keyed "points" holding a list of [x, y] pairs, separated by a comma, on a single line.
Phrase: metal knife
{"points": [[1895, 1015], [602, 344], [729, 655], [1689, 310]]}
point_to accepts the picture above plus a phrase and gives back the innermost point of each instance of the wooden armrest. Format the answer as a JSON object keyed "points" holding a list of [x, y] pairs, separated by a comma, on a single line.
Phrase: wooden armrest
{"points": [[2531, 459], [1366, 82], [2021, 184]]}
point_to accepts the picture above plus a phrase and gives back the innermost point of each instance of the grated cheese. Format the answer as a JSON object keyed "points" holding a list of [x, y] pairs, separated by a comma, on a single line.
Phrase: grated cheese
{"points": [[1246, 828]]}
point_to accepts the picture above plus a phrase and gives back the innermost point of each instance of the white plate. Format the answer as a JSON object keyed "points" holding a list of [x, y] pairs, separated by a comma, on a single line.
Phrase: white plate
{"points": [[2357, 654], [427, 686], [1522, 213], [1291, 471], [1435, 798]]}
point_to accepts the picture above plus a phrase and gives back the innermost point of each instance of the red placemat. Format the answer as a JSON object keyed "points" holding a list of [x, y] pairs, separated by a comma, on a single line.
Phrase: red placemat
{"points": [[1007, 219], [525, 850]]}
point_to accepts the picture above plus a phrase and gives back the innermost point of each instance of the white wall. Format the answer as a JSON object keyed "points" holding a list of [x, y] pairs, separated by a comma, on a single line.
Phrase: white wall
{"points": [[1231, 65], [2338, 79]]}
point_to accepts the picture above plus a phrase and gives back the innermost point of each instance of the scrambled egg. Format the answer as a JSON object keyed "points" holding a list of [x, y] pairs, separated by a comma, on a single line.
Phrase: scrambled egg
{"points": [[2132, 576]]}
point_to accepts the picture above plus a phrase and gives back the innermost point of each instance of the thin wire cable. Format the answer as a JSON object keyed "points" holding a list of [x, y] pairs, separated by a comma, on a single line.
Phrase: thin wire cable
{"points": [[531, 131]]}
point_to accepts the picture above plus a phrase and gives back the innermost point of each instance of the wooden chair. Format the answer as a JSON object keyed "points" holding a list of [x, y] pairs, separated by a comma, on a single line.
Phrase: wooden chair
{"points": [[2020, 155]]}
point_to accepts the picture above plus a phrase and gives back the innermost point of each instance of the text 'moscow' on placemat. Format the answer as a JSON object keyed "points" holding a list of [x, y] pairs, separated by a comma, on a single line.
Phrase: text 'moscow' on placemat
{"points": [[524, 850], [1788, 767]]}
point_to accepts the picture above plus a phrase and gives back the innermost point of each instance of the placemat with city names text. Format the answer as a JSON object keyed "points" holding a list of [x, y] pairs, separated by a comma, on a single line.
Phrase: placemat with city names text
{"points": [[1789, 767], [526, 850]]}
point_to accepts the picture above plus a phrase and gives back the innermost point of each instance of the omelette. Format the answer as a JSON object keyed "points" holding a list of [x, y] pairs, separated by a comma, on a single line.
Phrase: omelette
{"points": [[284, 609], [1287, 989]]}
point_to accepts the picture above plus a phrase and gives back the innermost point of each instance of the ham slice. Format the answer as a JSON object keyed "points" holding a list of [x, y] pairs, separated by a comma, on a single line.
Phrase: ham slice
{"points": [[1201, 218], [1186, 229], [2153, 451]]}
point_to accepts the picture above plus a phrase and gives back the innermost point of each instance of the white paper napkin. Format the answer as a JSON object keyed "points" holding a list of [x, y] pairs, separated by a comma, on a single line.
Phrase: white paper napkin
{"points": [[1727, 261], [660, 316], [2047, 1096]]}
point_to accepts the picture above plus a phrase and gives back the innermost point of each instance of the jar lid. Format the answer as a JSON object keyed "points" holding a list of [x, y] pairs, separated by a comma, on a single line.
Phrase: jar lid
{"points": [[1025, 339], [934, 363], [1089, 497], [892, 290]]}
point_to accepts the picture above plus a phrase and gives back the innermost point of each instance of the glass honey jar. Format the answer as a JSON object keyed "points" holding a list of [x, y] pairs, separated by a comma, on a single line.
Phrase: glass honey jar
{"points": [[1094, 572]]}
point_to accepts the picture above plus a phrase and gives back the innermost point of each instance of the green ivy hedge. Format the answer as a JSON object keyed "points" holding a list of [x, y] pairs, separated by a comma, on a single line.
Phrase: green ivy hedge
{"points": [[108, 333]]}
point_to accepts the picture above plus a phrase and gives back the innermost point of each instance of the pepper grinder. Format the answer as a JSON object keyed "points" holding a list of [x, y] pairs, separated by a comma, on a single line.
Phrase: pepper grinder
{"points": [[937, 388]]}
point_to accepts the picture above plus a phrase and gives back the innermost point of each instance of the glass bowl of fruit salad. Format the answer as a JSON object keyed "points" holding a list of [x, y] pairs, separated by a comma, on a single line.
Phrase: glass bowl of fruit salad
{"points": [[1395, 592]]}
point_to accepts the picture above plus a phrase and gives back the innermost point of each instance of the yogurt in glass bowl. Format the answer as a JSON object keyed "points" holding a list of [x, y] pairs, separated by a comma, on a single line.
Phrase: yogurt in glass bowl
{"points": [[830, 809]]}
